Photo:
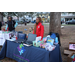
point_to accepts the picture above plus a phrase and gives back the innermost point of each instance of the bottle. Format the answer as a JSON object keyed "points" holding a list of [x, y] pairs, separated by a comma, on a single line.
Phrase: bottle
{"points": [[56, 40], [16, 34], [9, 36]]}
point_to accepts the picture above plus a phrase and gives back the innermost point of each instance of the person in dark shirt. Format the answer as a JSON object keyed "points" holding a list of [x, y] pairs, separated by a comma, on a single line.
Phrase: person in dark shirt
{"points": [[11, 24], [0, 25]]}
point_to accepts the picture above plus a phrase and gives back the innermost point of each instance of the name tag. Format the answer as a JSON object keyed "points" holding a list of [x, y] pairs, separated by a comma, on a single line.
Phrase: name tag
{"points": [[38, 26]]}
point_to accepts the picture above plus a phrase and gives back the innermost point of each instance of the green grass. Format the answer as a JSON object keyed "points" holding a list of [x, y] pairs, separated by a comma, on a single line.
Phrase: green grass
{"points": [[68, 25], [62, 25], [45, 24]]}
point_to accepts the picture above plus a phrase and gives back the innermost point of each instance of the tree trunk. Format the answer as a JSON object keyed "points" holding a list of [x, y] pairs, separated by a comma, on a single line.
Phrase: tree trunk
{"points": [[18, 18], [55, 22], [1, 16]]}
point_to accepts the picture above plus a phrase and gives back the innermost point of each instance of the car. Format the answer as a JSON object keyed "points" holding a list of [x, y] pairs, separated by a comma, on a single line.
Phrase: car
{"points": [[62, 21], [3, 23], [35, 21], [70, 22], [27, 20], [21, 22]]}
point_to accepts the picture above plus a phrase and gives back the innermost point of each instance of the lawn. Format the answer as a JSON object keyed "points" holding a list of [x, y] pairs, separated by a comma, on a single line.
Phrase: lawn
{"points": [[61, 24], [45, 23], [68, 25]]}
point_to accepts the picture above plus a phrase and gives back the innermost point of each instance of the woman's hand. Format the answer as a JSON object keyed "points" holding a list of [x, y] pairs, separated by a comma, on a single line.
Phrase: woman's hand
{"points": [[35, 24], [35, 28]]}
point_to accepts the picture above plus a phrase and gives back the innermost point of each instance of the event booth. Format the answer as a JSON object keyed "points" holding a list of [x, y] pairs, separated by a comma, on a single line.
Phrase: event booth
{"points": [[23, 48]]}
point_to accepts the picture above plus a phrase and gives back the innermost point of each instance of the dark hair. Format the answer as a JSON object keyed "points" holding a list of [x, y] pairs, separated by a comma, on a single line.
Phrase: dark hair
{"points": [[39, 19], [10, 17]]}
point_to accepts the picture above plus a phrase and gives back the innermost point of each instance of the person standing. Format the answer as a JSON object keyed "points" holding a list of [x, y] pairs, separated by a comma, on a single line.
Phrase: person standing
{"points": [[11, 24], [0, 25], [38, 28]]}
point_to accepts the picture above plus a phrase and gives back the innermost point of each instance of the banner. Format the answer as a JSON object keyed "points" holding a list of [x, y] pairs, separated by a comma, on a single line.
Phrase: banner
{"points": [[2, 39]]}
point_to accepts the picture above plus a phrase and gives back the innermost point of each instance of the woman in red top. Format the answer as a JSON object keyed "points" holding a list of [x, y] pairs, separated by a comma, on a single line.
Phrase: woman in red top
{"points": [[38, 28]]}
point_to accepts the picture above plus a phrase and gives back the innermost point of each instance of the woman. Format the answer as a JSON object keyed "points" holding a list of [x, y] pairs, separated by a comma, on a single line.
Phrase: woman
{"points": [[38, 28], [11, 24], [0, 25]]}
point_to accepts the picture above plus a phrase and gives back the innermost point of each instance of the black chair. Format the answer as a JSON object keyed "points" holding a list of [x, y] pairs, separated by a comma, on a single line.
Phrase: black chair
{"points": [[21, 38], [57, 35], [20, 32]]}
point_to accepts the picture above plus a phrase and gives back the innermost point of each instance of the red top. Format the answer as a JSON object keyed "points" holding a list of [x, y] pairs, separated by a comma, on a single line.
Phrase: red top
{"points": [[39, 30]]}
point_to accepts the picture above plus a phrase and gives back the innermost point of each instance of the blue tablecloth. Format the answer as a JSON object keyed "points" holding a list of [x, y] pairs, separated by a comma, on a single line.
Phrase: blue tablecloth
{"points": [[30, 54]]}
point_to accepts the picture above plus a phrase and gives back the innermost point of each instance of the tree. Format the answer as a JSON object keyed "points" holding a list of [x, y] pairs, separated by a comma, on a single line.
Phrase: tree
{"points": [[31, 14], [20, 14], [55, 22], [37, 14], [1, 16]]}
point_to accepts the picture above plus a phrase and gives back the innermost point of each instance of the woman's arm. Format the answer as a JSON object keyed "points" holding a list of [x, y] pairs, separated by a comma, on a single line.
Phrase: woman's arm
{"points": [[6, 26], [33, 31], [16, 25]]}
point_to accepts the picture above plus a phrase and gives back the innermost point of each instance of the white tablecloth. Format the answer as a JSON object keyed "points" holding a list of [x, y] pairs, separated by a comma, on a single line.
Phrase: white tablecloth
{"points": [[3, 37]]}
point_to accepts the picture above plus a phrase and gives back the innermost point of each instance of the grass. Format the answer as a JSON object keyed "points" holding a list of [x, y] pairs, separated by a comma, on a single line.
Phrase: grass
{"points": [[45, 24], [68, 25], [62, 24]]}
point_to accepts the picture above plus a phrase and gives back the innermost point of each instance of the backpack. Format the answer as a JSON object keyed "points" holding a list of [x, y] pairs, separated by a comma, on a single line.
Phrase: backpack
{"points": [[57, 35]]}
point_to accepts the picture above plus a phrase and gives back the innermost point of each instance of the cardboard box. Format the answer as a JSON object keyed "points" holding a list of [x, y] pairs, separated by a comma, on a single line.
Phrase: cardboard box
{"points": [[37, 44], [69, 57], [68, 52]]}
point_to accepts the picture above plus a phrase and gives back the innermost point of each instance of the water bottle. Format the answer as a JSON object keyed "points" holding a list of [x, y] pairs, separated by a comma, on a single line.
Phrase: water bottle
{"points": [[16, 34], [56, 40]]}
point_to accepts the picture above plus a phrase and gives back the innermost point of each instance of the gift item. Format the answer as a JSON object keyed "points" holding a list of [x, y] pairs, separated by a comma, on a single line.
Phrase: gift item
{"points": [[73, 57], [42, 45], [45, 39], [42, 42], [49, 47], [48, 36], [56, 40], [38, 38], [50, 41], [5, 31], [53, 36], [0, 32], [36, 44]]}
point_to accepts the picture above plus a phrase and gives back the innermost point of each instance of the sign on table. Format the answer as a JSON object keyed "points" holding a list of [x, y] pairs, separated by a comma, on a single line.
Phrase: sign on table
{"points": [[3, 37]]}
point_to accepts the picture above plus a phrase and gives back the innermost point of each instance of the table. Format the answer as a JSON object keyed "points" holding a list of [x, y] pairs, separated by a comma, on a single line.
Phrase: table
{"points": [[4, 36], [29, 54]]}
